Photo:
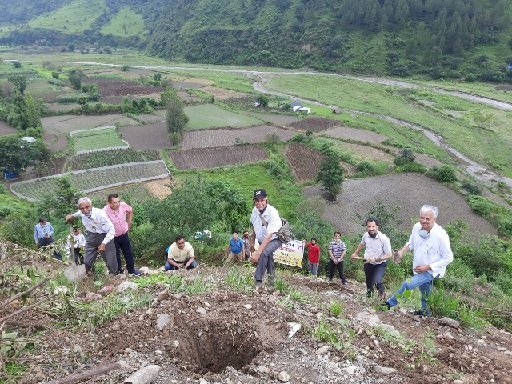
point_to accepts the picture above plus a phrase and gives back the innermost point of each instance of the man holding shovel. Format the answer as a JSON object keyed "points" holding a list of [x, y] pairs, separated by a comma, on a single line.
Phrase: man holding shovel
{"points": [[98, 236]]}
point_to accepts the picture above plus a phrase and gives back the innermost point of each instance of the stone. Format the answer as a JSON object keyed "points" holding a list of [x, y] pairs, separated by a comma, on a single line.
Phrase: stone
{"points": [[350, 369], [202, 381], [283, 376], [449, 322], [384, 370], [125, 285], [163, 295], [247, 306], [201, 311], [61, 289], [322, 350], [162, 320], [293, 328], [262, 370]]}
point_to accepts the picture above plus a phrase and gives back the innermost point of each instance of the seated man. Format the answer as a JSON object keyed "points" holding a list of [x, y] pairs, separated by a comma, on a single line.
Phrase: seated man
{"points": [[180, 255]]}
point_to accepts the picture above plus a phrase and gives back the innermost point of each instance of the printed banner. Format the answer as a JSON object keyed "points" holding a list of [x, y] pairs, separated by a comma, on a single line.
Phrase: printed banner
{"points": [[290, 253]]}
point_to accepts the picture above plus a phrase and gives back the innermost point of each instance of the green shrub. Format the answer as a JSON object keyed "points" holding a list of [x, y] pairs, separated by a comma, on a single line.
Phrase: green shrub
{"points": [[444, 173], [406, 157], [472, 188], [459, 277], [366, 168], [411, 167]]}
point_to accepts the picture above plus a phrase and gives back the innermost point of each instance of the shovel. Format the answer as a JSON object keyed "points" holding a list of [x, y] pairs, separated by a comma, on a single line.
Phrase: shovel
{"points": [[73, 272]]}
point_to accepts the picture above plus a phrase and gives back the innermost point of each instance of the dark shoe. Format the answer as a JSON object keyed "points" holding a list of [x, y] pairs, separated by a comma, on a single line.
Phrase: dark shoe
{"points": [[135, 272], [121, 271], [422, 313]]}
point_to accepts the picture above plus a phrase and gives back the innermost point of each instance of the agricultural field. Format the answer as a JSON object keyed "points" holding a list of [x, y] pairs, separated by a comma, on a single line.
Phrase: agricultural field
{"points": [[42, 90], [221, 93], [72, 18], [229, 137], [111, 157], [212, 116], [65, 124], [6, 129], [57, 107], [276, 119], [97, 139], [93, 179], [151, 136], [159, 188], [125, 23], [118, 87], [361, 135], [315, 124], [409, 191], [217, 157], [304, 161], [365, 152]]}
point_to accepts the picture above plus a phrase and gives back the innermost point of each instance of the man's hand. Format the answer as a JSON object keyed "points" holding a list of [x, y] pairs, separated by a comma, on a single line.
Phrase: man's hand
{"points": [[422, 268], [101, 247], [69, 218], [354, 256], [255, 256]]}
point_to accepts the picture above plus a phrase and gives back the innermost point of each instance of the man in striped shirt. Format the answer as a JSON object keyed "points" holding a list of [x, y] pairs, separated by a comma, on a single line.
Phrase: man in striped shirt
{"points": [[337, 251]]}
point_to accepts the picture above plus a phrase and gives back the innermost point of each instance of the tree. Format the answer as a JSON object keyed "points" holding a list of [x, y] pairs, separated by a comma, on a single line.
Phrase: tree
{"points": [[75, 78], [330, 174], [176, 118], [61, 202], [19, 82], [16, 154]]}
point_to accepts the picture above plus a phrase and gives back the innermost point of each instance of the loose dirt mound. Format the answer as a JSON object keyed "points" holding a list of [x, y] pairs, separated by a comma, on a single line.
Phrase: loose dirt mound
{"points": [[305, 161], [407, 191], [217, 157], [209, 138], [355, 134], [315, 124], [151, 136]]}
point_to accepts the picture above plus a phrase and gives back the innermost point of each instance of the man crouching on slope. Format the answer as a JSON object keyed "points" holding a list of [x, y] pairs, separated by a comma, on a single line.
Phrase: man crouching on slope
{"points": [[265, 222]]}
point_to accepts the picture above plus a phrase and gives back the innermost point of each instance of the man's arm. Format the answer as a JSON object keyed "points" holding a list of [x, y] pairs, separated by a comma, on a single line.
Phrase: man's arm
{"points": [[256, 254], [51, 230], [355, 255], [191, 257]]}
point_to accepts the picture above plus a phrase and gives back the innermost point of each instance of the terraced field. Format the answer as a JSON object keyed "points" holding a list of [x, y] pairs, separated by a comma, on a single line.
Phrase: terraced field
{"points": [[93, 179], [217, 157]]}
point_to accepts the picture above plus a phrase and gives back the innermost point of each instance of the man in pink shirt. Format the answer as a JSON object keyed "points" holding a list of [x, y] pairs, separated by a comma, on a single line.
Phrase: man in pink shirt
{"points": [[121, 215]]}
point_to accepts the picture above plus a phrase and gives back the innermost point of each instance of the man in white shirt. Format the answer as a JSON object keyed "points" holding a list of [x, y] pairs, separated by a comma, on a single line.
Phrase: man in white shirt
{"points": [[78, 245], [432, 254], [265, 222], [180, 255], [98, 236]]}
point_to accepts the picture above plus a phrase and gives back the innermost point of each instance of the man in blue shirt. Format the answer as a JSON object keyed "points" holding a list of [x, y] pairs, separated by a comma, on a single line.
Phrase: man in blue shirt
{"points": [[235, 248], [43, 233]]}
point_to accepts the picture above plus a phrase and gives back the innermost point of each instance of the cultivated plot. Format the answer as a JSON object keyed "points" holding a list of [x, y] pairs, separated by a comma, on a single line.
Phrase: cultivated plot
{"points": [[409, 191], [305, 161], [228, 137], [366, 152], [315, 124], [217, 157], [210, 116], [362, 135], [151, 136], [92, 179], [97, 139], [67, 123], [119, 87]]}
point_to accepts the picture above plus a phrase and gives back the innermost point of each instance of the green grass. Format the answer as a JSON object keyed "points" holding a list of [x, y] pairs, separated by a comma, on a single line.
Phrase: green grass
{"points": [[97, 139], [207, 116], [490, 147], [125, 23], [229, 80], [75, 17]]}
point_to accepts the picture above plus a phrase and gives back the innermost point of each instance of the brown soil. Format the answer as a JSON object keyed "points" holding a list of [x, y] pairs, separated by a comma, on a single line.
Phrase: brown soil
{"points": [[151, 136], [222, 94], [209, 138], [115, 87], [67, 123], [315, 124], [407, 191], [305, 161], [366, 152], [6, 129], [159, 188], [217, 157], [355, 134]]}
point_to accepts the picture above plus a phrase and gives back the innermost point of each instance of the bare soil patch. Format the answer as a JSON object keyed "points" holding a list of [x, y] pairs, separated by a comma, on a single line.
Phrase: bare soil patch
{"points": [[159, 188], [426, 160], [408, 191], [62, 107], [151, 136], [68, 123], [217, 157], [6, 129], [183, 85], [222, 94], [366, 152], [305, 161], [115, 87], [209, 138], [355, 134], [277, 119], [315, 124], [55, 142], [187, 98]]}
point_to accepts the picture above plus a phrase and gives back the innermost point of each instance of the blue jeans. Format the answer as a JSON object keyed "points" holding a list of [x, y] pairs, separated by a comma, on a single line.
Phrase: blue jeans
{"points": [[169, 267], [423, 281]]}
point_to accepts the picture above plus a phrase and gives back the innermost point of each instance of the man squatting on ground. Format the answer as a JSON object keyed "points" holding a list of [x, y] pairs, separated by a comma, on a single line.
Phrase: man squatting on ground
{"points": [[265, 222], [377, 249], [337, 251], [235, 249], [432, 254], [121, 215], [43, 233], [98, 236], [180, 254]]}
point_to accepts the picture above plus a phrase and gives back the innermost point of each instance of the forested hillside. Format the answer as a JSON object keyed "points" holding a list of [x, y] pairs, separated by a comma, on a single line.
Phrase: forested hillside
{"points": [[443, 38]]}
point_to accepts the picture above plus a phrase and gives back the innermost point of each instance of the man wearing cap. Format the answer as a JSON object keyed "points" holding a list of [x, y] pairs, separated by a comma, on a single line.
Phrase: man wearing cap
{"points": [[99, 235], [265, 222]]}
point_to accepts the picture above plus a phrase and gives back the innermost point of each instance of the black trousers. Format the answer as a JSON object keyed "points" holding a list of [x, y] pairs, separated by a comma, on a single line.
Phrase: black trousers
{"points": [[339, 267], [122, 243], [374, 275]]}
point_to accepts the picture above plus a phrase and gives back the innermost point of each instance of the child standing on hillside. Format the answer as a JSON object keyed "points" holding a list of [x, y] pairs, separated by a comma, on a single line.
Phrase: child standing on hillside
{"points": [[313, 256]]}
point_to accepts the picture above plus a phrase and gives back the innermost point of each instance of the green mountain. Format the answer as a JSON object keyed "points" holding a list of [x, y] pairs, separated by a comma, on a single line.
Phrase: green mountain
{"points": [[442, 38]]}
